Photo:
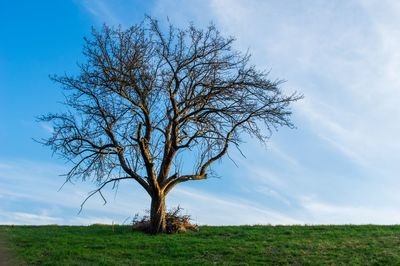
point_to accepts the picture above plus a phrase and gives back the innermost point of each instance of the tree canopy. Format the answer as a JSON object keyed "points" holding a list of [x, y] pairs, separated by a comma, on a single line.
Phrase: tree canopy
{"points": [[147, 99]]}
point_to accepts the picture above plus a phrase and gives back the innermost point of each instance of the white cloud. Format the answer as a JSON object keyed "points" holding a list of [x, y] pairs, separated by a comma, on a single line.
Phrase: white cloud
{"points": [[326, 213], [25, 184], [19, 218], [343, 55], [211, 209], [47, 127], [274, 194], [102, 11], [92, 220], [34, 185]]}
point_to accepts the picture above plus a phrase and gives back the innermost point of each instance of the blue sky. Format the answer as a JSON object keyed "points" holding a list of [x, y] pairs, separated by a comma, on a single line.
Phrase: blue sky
{"points": [[339, 166]]}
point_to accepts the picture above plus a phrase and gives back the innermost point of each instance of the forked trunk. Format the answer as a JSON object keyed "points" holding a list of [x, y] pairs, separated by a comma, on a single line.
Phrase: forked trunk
{"points": [[157, 214]]}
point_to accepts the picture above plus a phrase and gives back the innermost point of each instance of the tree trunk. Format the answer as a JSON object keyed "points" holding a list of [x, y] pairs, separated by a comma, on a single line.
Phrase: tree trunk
{"points": [[157, 214]]}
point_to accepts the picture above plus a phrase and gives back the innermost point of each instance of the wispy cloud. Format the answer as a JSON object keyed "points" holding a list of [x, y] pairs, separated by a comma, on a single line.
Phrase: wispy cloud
{"points": [[326, 213], [35, 186], [211, 209], [102, 11], [27, 185], [344, 57], [40, 218], [116, 12]]}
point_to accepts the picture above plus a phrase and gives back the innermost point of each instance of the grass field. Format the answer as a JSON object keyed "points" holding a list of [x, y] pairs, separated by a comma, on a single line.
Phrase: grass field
{"points": [[244, 245]]}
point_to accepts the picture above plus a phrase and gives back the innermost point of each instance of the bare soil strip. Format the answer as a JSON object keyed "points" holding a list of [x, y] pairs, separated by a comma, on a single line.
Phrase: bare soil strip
{"points": [[6, 257]]}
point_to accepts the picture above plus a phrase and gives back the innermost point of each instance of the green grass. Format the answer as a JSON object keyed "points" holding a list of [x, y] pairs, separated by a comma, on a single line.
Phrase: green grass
{"points": [[244, 245]]}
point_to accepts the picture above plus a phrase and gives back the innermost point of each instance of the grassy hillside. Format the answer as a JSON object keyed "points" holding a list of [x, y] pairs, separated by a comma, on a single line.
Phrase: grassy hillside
{"points": [[244, 245]]}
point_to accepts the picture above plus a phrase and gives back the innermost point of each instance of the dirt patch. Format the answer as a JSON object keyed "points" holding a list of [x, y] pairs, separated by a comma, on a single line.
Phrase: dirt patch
{"points": [[6, 254]]}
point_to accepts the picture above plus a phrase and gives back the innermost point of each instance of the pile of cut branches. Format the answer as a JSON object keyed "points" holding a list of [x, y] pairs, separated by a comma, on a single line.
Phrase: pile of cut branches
{"points": [[176, 222]]}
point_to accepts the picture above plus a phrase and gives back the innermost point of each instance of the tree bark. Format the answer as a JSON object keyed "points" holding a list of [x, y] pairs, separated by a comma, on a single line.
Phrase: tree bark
{"points": [[157, 214]]}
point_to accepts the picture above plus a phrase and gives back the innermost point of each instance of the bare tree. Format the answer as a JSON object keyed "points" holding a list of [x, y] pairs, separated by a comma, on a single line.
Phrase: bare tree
{"points": [[149, 102]]}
